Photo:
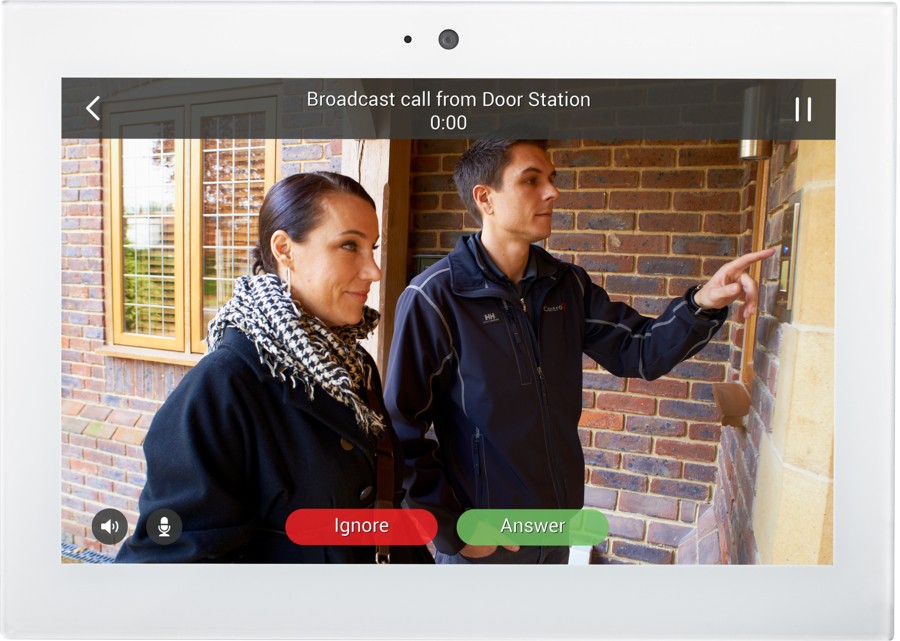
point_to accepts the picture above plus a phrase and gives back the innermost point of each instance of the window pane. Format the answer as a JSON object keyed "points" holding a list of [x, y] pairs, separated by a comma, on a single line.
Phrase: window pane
{"points": [[148, 231], [233, 190]]}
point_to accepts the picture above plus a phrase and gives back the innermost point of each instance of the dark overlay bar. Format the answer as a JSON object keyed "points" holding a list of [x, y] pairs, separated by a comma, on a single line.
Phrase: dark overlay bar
{"points": [[603, 110]]}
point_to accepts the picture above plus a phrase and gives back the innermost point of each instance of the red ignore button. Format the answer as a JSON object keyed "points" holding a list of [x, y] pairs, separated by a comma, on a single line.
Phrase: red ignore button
{"points": [[361, 527]]}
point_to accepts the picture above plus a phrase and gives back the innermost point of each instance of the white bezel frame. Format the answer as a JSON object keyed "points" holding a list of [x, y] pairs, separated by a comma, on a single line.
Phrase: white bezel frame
{"points": [[855, 44]]}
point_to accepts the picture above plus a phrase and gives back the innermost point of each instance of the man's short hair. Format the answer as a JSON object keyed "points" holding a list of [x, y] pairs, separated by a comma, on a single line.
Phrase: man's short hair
{"points": [[483, 164]]}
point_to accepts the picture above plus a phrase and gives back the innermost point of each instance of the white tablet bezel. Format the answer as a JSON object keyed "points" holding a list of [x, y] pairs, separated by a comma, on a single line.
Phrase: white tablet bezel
{"points": [[852, 43]]}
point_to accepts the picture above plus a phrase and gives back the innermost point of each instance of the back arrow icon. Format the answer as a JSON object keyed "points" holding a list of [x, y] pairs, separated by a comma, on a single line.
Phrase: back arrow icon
{"points": [[93, 102]]}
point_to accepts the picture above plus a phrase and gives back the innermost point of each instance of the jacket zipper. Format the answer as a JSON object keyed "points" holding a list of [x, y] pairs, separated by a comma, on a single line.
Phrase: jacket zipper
{"points": [[545, 414], [480, 481]]}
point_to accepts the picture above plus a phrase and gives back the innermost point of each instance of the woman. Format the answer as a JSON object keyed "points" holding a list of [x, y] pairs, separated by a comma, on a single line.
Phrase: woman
{"points": [[284, 412]]}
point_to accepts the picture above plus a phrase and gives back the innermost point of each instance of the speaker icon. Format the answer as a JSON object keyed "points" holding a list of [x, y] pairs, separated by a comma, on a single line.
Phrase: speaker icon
{"points": [[110, 526]]}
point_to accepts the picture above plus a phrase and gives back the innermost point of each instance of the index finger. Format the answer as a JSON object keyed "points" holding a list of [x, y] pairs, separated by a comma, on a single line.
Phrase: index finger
{"points": [[743, 262]]}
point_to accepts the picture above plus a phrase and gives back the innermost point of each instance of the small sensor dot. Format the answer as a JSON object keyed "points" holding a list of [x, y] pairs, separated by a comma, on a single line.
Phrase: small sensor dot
{"points": [[407, 39]]}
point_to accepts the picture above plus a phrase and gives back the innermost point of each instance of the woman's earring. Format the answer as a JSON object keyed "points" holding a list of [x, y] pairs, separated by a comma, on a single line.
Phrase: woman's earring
{"points": [[287, 282]]}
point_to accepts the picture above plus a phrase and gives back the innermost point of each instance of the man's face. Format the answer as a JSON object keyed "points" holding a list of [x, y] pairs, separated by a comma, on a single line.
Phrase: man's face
{"points": [[522, 207]]}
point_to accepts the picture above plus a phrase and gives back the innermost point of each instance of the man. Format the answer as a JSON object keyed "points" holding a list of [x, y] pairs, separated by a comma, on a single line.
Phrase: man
{"points": [[488, 347]]}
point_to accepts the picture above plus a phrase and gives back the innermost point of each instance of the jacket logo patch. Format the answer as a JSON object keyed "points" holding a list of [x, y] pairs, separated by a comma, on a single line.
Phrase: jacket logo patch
{"points": [[556, 308], [490, 318]]}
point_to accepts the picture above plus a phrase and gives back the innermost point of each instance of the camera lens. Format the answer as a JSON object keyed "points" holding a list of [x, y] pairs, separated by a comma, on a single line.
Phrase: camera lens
{"points": [[448, 39]]}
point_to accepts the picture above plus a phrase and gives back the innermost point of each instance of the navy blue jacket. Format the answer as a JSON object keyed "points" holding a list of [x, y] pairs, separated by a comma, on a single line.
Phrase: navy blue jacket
{"points": [[499, 377], [234, 451]]}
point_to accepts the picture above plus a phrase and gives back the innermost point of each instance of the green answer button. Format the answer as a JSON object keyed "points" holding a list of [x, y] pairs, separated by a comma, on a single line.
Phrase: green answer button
{"points": [[532, 527]]}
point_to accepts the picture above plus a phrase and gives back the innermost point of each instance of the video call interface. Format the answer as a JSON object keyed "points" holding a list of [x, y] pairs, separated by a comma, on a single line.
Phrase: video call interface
{"points": [[447, 321]]}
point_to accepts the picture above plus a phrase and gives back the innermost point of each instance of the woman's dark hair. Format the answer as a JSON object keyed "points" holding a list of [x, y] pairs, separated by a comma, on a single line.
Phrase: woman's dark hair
{"points": [[294, 205]]}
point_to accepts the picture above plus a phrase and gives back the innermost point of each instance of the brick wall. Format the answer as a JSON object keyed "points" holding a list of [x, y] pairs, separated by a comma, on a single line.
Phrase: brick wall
{"points": [[739, 458], [108, 402], [647, 220]]}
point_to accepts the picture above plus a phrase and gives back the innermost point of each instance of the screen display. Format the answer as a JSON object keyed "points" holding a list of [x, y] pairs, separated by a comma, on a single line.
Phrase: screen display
{"points": [[571, 361]]}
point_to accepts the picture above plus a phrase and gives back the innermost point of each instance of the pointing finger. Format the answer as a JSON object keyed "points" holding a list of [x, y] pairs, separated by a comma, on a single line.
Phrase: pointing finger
{"points": [[743, 262], [751, 294]]}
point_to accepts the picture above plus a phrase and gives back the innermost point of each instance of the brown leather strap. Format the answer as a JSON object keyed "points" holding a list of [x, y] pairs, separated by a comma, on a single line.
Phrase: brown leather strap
{"points": [[384, 474]]}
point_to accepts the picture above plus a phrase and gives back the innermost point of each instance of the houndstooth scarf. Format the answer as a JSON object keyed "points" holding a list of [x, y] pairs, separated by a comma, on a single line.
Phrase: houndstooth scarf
{"points": [[297, 345]]}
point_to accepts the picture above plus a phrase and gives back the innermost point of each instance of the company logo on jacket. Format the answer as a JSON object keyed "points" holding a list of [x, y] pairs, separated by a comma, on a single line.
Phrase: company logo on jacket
{"points": [[490, 318], [556, 308]]}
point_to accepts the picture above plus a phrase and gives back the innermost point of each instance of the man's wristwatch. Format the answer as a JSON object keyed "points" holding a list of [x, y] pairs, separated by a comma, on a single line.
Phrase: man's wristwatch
{"points": [[696, 310]]}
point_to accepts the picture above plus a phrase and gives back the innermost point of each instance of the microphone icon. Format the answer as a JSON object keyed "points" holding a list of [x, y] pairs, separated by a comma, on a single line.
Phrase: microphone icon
{"points": [[164, 527]]}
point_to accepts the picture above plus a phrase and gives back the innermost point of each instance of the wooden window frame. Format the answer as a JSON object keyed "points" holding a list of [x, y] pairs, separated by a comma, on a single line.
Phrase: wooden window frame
{"points": [[116, 276], [186, 347]]}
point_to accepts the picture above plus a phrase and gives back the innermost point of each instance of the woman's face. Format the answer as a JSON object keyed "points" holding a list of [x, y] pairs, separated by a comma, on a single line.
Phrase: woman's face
{"points": [[334, 267]]}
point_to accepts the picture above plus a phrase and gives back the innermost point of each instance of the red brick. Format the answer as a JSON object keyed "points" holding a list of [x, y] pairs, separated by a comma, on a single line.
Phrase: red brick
{"points": [[625, 528], [425, 164], [651, 179], [687, 513], [699, 370], [707, 156], [652, 466], [618, 480], [604, 420], [669, 221], [697, 472], [600, 458], [581, 158], [635, 285], [644, 553], [564, 220], [603, 381], [432, 183], [681, 266], [638, 243], [607, 178], [71, 408], [680, 489], [437, 221], [564, 241], [725, 178], [73, 425], [128, 463], [605, 221], [622, 442], [130, 435], [708, 550], [667, 533], [659, 387], [424, 202], [452, 202], [658, 506], [448, 239], [587, 399], [99, 430], [685, 450], [705, 432], [641, 200], [605, 263], [95, 413], [124, 417], [723, 223], [688, 410], [654, 426], [83, 441], [706, 201], [584, 436], [704, 245], [644, 157], [581, 200], [626, 403], [600, 497]]}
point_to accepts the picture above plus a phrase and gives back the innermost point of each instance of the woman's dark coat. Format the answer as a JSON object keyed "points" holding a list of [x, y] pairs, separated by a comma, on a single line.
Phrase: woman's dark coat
{"points": [[234, 451]]}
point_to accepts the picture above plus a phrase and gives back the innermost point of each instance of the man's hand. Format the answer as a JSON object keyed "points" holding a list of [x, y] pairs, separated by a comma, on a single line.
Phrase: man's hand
{"points": [[481, 551], [731, 283]]}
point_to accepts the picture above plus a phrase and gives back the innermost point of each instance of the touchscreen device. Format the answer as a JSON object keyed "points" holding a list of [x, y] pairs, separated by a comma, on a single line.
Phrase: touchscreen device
{"points": [[556, 292]]}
